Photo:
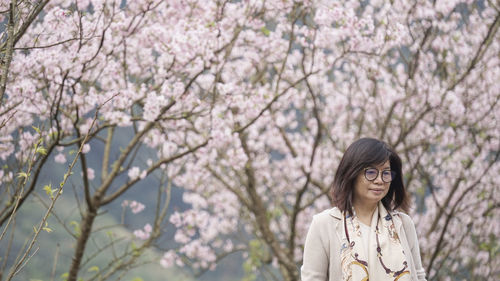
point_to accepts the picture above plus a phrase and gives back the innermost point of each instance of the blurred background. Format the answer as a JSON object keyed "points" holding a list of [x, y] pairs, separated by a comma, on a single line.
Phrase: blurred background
{"points": [[195, 140]]}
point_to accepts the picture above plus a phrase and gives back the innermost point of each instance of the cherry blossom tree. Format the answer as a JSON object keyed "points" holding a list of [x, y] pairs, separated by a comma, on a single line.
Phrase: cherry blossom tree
{"points": [[248, 107]]}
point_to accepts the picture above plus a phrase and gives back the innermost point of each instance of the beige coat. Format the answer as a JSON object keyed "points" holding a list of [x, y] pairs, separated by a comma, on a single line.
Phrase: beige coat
{"points": [[322, 247]]}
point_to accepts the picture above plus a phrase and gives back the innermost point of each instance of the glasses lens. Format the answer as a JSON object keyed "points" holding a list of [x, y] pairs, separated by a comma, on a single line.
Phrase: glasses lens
{"points": [[371, 174], [388, 175]]}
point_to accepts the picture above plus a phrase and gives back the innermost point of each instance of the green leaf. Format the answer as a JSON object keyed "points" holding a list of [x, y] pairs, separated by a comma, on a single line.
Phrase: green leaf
{"points": [[36, 129], [265, 31], [53, 134], [255, 244], [421, 191], [482, 195], [136, 252], [41, 150], [65, 276], [484, 246], [48, 189], [94, 268], [47, 228], [76, 228], [22, 175], [137, 279], [247, 266], [466, 162], [66, 175]]}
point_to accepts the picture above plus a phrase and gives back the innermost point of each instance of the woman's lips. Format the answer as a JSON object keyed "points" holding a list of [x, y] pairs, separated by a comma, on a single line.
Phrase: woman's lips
{"points": [[376, 191]]}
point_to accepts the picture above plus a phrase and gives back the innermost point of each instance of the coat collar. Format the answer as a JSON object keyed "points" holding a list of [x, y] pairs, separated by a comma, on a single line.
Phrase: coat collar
{"points": [[336, 213]]}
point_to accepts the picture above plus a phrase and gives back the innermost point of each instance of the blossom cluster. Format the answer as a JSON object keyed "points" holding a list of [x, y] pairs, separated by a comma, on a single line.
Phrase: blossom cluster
{"points": [[144, 233], [135, 207]]}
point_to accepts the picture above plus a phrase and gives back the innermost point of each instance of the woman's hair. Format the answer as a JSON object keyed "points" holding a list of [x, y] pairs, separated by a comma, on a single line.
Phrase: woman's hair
{"points": [[368, 152]]}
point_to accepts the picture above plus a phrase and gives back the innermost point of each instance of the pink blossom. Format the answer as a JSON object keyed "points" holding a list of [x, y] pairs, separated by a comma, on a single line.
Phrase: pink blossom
{"points": [[86, 148], [228, 246], [136, 207], [140, 234], [181, 237], [60, 158], [5, 177], [90, 173], [143, 174], [134, 173], [144, 233], [125, 203], [176, 219], [168, 259]]}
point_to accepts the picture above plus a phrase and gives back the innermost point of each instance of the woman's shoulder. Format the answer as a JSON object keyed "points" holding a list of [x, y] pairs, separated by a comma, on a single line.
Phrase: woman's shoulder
{"points": [[405, 218], [325, 221], [407, 222], [328, 214]]}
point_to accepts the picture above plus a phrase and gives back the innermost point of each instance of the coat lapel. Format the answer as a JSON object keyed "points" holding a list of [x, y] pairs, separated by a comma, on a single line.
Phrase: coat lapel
{"points": [[398, 223], [335, 213], [337, 216]]}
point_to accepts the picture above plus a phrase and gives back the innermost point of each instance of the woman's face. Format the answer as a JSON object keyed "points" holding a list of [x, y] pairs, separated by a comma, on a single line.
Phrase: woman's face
{"points": [[371, 192]]}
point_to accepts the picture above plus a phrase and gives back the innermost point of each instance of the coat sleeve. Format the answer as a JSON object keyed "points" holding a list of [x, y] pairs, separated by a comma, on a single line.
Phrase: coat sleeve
{"points": [[411, 236], [316, 255]]}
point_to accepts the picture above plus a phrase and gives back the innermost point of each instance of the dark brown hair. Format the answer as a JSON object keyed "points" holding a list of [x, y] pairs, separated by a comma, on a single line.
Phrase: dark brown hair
{"points": [[368, 152]]}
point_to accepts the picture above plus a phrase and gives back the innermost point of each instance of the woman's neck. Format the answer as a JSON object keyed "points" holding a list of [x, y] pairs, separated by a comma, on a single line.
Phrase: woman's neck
{"points": [[364, 212]]}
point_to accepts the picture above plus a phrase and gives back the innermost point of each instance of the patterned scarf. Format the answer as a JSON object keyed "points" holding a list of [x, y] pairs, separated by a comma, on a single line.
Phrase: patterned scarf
{"points": [[383, 260]]}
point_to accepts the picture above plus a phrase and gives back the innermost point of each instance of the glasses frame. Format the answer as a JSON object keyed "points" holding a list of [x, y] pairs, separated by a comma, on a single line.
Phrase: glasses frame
{"points": [[393, 174]]}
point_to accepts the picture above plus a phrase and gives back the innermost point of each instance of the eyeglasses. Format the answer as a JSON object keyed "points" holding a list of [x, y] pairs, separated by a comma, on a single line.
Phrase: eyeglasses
{"points": [[372, 173]]}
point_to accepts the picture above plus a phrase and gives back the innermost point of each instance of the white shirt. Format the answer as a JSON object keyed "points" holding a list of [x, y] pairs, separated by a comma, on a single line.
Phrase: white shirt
{"points": [[365, 234]]}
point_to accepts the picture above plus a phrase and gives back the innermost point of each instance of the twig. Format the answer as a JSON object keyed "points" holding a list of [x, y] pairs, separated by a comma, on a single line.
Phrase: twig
{"points": [[26, 261], [9, 246], [18, 266], [56, 258], [9, 48]]}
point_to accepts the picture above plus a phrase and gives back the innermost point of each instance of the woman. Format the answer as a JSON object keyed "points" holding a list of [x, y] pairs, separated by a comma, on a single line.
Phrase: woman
{"points": [[364, 237]]}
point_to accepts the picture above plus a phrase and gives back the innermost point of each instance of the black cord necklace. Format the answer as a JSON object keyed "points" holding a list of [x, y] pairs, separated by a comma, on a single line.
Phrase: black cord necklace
{"points": [[379, 255], [395, 274]]}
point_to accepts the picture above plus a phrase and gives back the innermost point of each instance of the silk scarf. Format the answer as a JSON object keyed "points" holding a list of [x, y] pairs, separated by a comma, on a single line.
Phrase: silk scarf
{"points": [[383, 260]]}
